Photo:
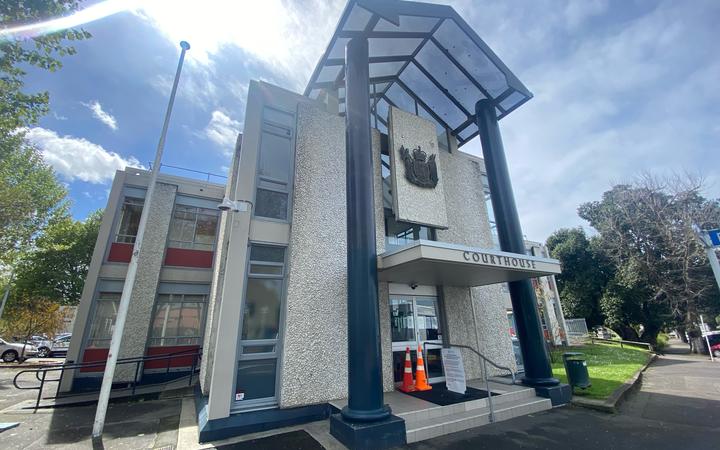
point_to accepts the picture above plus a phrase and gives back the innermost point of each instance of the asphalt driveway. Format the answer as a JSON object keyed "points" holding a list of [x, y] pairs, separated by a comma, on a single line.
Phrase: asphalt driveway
{"points": [[677, 406]]}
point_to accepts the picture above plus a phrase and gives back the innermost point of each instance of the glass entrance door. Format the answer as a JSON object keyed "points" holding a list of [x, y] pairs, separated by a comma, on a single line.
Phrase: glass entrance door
{"points": [[414, 320]]}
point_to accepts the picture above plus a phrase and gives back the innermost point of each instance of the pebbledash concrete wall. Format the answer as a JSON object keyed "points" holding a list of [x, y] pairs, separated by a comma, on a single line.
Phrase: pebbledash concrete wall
{"points": [[314, 353], [148, 275], [218, 278], [476, 316]]}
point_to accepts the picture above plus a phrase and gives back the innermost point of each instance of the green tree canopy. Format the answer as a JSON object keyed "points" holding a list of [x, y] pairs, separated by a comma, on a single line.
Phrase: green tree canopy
{"points": [[661, 274], [57, 266], [29, 191], [584, 276]]}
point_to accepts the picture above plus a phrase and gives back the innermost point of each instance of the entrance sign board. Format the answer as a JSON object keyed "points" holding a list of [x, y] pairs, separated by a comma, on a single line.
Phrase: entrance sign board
{"points": [[415, 161], [454, 370]]}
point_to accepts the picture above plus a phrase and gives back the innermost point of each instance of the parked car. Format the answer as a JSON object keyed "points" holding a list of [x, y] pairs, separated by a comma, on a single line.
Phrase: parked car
{"points": [[56, 347], [12, 351], [713, 337]]}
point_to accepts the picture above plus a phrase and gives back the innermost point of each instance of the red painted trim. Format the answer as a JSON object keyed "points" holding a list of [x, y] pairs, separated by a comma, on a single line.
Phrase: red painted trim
{"points": [[188, 258], [179, 361], [95, 355], [120, 252]]}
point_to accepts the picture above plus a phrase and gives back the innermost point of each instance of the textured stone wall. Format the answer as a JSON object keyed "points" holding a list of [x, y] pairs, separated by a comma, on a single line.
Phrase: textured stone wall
{"points": [[314, 359], [314, 354], [218, 278], [468, 225], [150, 262], [412, 203]]}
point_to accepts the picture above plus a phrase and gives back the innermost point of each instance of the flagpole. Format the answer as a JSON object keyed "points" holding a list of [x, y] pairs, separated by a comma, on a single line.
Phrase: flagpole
{"points": [[111, 363]]}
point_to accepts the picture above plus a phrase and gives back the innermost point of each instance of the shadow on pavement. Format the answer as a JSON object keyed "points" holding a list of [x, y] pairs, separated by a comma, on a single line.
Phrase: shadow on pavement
{"points": [[141, 420]]}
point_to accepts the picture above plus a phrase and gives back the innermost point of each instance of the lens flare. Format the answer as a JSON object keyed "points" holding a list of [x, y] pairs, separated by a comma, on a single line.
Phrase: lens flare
{"points": [[81, 17]]}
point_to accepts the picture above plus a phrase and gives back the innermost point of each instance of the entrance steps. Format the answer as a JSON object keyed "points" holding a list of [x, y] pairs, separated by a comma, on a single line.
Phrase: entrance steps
{"points": [[441, 420], [425, 420]]}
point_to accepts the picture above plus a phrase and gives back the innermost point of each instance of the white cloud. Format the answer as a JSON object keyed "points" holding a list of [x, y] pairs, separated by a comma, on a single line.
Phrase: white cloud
{"points": [[223, 131], [101, 115], [77, 158], [288, 36]]}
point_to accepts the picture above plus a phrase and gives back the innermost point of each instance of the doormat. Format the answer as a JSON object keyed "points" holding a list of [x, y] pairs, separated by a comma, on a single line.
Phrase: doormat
{"points": [[441, 396], [294, 440]]}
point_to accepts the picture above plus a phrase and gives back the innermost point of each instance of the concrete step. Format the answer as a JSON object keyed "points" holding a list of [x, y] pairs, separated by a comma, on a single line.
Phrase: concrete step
{"points": [[420, 429], [443, 411]]}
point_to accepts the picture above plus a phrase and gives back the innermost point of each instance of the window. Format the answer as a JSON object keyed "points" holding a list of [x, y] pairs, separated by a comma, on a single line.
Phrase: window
{"points": [[261, 317], [178, 320], [103, 322], [275, 165], [400, 234], [129, 220], [193, 228]]}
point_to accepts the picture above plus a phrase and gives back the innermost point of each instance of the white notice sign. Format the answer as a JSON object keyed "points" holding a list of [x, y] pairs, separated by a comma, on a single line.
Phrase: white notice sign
{"points": [[454, 370]]}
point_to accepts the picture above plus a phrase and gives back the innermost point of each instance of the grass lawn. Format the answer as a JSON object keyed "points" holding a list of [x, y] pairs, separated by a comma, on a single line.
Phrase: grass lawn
{"points": [[609, 366]]}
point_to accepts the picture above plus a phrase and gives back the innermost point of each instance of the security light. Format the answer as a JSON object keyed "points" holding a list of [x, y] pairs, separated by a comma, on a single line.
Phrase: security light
{"points": [[234, 205]]}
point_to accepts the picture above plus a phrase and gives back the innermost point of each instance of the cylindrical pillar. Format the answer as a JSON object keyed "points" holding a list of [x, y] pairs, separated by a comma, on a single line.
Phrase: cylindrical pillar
{"points": [[365, 393], [538, 371]]}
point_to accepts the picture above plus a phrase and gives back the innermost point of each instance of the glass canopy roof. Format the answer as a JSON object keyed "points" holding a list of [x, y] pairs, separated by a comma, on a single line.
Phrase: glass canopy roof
{"points": [[424, 58]]}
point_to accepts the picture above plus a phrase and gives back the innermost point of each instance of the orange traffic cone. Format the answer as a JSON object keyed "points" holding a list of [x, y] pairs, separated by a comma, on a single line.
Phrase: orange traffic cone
{"points": [[408, 385], [421, 384]]}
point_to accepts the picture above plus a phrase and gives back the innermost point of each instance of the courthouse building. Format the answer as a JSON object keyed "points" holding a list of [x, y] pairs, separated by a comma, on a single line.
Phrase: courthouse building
{"points": [[252, 274]]}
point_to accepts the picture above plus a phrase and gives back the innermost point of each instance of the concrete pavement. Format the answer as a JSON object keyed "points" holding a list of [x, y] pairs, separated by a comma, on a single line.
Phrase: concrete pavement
{"points": [[677, 406]]}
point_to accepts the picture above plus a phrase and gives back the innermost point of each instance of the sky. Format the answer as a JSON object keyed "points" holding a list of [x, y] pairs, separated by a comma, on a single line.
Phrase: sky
{"points": [[620, 88]]}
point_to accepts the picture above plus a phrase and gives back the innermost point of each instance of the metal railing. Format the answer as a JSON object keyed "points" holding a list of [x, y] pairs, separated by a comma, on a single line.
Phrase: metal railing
{"points": [[42, 373], [622, 342], [484, 359]]}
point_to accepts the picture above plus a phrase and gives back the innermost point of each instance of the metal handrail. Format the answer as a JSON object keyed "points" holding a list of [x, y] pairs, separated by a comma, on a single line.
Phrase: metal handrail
{"points": [[485, 360], [621, 342], [41, 373]]}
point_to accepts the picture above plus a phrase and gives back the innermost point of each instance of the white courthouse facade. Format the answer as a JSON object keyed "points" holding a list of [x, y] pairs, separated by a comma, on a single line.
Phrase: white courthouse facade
{"points": [[255, 298]]}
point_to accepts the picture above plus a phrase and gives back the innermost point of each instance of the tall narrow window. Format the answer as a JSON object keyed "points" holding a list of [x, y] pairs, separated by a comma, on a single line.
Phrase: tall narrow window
{"points": [[193, 228], [272, 198], [103, 321], [129, 220]]}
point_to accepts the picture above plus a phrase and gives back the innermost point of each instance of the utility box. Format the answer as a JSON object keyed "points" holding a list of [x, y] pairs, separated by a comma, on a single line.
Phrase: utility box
{"points": [[576, 370]]}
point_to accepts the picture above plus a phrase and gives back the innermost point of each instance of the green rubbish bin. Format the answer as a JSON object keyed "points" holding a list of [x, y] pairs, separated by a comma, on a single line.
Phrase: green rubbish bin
{"points": [[576, 370]]}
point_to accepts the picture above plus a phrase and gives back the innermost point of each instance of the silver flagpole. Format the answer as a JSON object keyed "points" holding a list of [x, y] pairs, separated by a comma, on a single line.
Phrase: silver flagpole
{"points": [[109, 374]]}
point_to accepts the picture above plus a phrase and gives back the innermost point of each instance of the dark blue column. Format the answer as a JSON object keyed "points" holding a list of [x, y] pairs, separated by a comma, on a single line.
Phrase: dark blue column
{"points": [[538, 371], [366, 422], [365, 394]]}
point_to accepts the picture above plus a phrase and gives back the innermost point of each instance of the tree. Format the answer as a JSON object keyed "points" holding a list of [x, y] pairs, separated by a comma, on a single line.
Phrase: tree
{"points": [[31, 316], [584, 277], [661, 273], [29, 191], [57, 267]]}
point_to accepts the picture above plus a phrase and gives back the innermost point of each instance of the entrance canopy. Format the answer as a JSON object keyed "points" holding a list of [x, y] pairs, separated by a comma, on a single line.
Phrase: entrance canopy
{"points": [[424, 58], [438, 263]]}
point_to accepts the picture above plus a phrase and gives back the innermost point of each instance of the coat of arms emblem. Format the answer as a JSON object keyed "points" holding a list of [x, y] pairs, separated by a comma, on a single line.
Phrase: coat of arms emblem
{"points": [[420, 169]]}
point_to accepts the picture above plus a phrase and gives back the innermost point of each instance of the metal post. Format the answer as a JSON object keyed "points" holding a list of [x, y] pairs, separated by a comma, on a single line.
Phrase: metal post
{"points": [[538, 371], [365, 393], [109, 373], [6, 294]]}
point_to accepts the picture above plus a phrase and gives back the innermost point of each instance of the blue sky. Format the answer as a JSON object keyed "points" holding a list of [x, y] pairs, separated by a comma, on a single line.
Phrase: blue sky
{"points": [[620, 87]]}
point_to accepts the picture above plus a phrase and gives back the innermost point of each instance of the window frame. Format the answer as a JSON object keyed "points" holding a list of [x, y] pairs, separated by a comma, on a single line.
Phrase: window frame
{"points": [[194, 243], [122, 211], [89, 341], [267, 183], [172, 341]]}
